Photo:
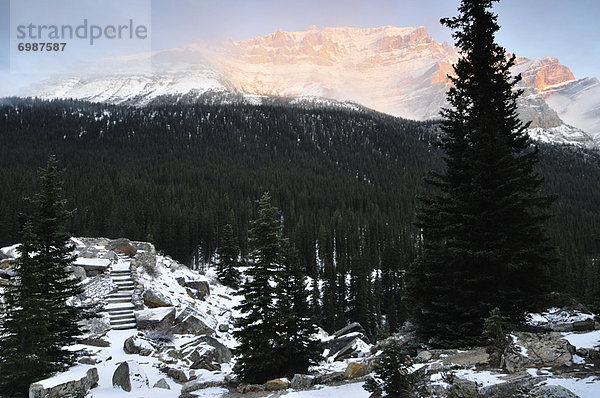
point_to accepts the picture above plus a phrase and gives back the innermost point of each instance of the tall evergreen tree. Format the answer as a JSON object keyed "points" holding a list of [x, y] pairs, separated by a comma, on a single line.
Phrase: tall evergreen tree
{"points": [[483, 243], [295, 342], [39, 322], [228, 252], [257, 329]]}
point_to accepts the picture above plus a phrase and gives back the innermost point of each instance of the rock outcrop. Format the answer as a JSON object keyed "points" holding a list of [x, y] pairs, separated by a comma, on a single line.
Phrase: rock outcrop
{"points": [[537, 350], [129, 376], [78, 387]]}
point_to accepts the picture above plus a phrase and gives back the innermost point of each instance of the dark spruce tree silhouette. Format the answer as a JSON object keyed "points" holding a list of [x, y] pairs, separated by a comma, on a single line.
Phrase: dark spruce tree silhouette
{"points": [[483, 241]]}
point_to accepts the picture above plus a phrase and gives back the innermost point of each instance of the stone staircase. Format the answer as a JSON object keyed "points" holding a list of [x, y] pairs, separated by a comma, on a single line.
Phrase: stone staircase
{"points": [[118, 304]]}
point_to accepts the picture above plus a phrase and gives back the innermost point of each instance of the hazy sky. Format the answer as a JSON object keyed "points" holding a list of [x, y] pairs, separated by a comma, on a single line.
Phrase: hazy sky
{"points": [[566, 29]]}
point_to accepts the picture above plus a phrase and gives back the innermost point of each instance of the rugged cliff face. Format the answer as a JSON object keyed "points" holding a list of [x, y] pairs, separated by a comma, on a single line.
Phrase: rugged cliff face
{"points": [[399, 71]]}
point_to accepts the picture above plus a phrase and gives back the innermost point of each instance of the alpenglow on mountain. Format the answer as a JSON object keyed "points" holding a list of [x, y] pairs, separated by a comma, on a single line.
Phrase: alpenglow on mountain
{"points": [[399, 71]]}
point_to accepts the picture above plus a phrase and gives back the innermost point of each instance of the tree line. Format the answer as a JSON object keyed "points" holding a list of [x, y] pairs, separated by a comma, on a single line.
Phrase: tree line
{"points": [[344, 181]]}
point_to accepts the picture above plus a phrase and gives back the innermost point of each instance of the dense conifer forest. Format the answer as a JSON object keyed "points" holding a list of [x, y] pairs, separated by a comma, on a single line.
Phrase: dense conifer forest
{"points": [[346, 182]]}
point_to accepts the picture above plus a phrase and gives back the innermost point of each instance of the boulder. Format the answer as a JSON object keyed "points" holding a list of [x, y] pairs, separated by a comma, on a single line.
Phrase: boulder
{"points": [[154, 299], [222, 354], [463, 388], [92, 266], [354, 370], [136, 345], [78, 272], [162, 383], [81, 382], [201, 287], [180, 280], [148, 262], [89, 252], [95, 342], [129, 376], [277, 385], [195, 385], [468, 358], [122, 246], [302, 381], [155, 318], [424, 356], [6, 273], [354, 327], [191, 324], [98, 325], [329, 378], [537, 350], [550, 391], [585, 325], [514, 386], [144, 246], [249, 388], [223, 327], [176, 374]]}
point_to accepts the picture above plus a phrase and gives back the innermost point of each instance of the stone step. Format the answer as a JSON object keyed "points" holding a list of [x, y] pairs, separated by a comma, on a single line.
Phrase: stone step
{"points": [[126, 284], [131, 317], [120, 272], [122, 321], [121, 277], [121, 295], [115, 307], [118, 300], [121, 312], [124, 327]]}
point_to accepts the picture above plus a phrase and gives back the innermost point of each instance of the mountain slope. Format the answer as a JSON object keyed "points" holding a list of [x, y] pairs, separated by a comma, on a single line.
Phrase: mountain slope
{"points": [[399, 71]]}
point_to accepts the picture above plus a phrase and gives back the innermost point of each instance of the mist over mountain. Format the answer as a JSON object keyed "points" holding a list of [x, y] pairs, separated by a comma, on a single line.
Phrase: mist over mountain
{"points": [[398, 71]]}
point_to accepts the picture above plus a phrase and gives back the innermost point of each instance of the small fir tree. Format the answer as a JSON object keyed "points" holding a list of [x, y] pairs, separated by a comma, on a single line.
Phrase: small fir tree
{"points": [[393, 372], [257, 329], [228, 252], [296, 344]]}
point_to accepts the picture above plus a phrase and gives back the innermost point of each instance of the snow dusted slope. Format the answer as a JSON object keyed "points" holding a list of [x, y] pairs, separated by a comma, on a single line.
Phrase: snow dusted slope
{"points": [[398, 71], [577, 102]]}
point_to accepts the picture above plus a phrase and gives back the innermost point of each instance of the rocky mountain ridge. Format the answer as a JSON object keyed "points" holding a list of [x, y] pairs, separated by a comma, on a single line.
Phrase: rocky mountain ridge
{"points": [[399, 71]]}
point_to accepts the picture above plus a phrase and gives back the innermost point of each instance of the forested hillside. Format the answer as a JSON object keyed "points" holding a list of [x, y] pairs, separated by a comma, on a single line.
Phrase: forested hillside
{"points": [[346, 183]]}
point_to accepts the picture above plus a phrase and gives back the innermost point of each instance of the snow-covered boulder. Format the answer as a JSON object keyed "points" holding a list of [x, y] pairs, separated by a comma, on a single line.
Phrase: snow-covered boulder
{"points": [[528, 350], [129, 376], [154, 318], [136, 345], [155, 299], [74, 383]]}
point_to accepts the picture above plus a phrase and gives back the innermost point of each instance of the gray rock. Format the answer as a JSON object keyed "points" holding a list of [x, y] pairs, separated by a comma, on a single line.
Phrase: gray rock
{"points": [[223, 327], [218, 352], [93, 266], [424, 356], [129, 376], [351, 328], [201, 287], [110, 255], [329, 378], [550, 391], [6, 273], [180, 280], [136, 345], [98, 325], [191, 324], [147, 261], [537, 350], [162, 383], [513, 387], [89, 252], [585, 325], [195, 385], [476, 356], [144, 246], [154, 299], [463, 388], [155, 318], [78, 272], [89, 360], [302, 382], [96, 342], [122, 246], [72, 388]]}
